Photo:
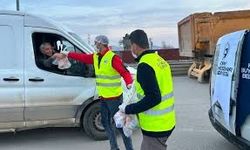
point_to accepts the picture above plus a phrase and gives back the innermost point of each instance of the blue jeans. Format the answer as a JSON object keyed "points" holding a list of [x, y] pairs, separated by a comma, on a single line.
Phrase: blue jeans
{"points": [[108, 110]]}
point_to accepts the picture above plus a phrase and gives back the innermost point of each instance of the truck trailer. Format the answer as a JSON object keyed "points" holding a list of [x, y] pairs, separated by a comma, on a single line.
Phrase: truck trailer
{"points": [[199, 32]]}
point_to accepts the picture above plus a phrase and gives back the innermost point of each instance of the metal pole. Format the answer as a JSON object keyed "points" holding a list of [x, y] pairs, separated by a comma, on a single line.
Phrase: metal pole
{"points": [[17, 5]]}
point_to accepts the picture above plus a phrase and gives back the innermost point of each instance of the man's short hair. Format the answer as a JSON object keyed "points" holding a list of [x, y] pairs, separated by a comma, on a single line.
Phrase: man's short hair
{"points": [[140, 38]]}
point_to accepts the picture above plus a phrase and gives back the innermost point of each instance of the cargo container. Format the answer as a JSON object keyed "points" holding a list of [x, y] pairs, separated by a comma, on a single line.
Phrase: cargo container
{"points": [[199, 32]]}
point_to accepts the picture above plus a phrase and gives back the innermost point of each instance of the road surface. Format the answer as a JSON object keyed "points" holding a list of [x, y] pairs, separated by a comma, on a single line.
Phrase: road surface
{"points": [[193, 130]]}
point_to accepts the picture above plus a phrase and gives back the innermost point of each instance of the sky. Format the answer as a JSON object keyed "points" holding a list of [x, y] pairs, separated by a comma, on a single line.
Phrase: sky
{"points": [[115, 18]]}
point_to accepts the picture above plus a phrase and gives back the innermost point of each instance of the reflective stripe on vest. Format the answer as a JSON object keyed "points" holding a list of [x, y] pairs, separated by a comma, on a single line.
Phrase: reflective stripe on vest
{"points": [[108, 77], [118, 84], [159, 112], [163, 98]]}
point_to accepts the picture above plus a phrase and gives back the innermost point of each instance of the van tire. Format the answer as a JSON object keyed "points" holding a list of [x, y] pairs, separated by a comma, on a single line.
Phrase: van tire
{"points": [[92, 122]]}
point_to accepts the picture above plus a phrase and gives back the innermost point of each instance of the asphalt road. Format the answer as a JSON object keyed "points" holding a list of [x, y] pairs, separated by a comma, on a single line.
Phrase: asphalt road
{"points": [[193, 130]]}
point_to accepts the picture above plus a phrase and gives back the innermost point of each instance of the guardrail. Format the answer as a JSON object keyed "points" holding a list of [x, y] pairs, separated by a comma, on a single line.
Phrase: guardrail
{"points": [[178, 67]]}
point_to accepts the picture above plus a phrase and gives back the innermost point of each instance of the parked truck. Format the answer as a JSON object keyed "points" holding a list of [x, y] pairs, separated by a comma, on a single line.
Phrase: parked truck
{"points": [[199, 32]]}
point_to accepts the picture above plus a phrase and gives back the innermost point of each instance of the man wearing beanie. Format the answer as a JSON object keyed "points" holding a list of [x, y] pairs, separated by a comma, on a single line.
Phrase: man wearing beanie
{"points": [[154, 87]]}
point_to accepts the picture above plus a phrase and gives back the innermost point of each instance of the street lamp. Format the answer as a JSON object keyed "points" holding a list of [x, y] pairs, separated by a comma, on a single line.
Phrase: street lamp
{"points": [[17, 5]]}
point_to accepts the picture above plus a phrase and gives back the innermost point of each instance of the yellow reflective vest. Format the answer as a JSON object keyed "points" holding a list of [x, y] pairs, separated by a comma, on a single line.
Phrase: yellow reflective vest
{"points": [[162, 116], [108, 80]]}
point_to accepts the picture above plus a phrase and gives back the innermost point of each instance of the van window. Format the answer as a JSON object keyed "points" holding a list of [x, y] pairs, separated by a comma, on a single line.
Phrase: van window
{"points": [[44, 62]]}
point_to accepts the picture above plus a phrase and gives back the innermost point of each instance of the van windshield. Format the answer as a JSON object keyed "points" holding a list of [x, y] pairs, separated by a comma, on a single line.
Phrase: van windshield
{"points": [[79, 39]]}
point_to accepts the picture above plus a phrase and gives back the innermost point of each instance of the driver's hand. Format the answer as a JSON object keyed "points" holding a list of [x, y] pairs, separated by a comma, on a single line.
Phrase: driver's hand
{"points": [[59, 56], [64, 51]]}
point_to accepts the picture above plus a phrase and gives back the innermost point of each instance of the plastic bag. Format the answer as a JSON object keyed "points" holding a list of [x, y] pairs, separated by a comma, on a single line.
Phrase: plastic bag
{"points": [[127, 122], [119, 119], [127, 131], [131, 123], [62, 63], [129, 95]]}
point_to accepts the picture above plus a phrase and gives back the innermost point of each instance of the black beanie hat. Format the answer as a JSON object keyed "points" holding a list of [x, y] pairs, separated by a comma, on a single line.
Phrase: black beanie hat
{"points": [[140, 38]]}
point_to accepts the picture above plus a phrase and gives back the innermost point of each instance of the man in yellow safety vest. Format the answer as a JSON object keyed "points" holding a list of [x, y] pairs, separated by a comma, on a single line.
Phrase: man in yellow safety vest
{"points": [[154, 87]]}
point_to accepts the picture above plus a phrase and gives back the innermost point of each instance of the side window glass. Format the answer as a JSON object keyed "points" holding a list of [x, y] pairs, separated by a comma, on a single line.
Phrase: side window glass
{"points": [[76, 68], [46, 44]]}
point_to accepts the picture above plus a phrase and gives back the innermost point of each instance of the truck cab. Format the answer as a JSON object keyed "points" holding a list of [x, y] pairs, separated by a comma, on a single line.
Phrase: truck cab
{"points": [[229, 88]]}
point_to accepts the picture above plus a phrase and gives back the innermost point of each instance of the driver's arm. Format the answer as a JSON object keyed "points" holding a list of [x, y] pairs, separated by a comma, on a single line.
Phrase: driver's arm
{"points": [[46, 62]]}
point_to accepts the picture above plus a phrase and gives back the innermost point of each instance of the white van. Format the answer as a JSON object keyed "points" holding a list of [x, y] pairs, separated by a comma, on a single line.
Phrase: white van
{"points": [[230, 88], [33, 96]]}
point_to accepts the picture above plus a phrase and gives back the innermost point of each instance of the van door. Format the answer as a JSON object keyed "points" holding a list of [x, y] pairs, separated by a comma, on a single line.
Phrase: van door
{"points": [[224, 81], [243, 103], [11, 72], [52, 95]]}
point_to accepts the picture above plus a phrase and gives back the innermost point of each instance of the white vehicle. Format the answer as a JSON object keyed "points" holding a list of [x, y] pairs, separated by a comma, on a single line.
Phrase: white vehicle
{"points": [[230, 88], [33, 96]]}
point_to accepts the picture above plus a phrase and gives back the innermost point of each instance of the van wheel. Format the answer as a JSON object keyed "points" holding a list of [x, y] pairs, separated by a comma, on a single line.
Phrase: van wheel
{"points": [[92, 123]]}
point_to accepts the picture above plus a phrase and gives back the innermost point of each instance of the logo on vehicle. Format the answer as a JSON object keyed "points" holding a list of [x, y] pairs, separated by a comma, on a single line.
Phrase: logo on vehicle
{"points": [[226, 50]]}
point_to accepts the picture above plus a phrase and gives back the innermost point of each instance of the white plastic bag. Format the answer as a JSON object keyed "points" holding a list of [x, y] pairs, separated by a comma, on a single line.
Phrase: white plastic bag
{"points": [[62, 63], [129, 95], [131, 123], [127, 131], [119, 119], [127, 122]]}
